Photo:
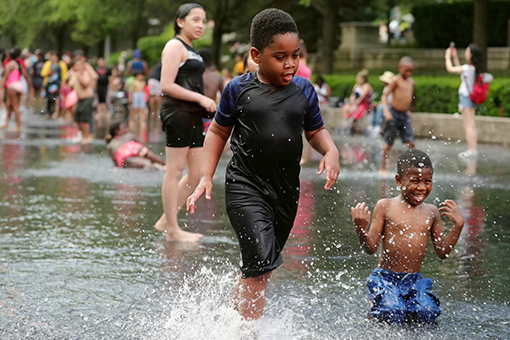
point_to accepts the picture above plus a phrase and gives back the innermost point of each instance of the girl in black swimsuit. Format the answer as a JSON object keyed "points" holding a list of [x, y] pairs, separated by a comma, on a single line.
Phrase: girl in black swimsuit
{"points": [[184, 105]]}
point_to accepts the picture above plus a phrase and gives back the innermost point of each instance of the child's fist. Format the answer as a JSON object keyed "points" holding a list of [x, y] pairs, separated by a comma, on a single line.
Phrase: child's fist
{"points": [[450, 209]]}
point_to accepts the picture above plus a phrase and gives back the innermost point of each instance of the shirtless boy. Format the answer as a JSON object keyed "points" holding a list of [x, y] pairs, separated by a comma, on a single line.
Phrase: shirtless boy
{"points": [[83, 81], [398, 119], [396, 290], [138, 110]]}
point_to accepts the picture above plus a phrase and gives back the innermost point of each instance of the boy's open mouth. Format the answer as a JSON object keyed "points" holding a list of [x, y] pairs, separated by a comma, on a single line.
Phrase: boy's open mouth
{"points": [[288, 76]]}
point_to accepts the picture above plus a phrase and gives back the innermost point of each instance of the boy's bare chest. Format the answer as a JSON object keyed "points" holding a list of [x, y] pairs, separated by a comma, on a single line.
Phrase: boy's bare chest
{"points": [[408, 226]]}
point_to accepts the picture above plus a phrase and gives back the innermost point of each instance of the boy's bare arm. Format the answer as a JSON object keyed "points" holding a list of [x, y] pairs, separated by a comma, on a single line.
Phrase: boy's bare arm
{"points": [[368, 238], [92, 73], [83, 78], [442, 245], [321, 141], [214, 143], [384, 99]]}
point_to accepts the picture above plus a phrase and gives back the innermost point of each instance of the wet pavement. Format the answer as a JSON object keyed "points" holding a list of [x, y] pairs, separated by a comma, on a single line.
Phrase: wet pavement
{"points": [[80, 259]]}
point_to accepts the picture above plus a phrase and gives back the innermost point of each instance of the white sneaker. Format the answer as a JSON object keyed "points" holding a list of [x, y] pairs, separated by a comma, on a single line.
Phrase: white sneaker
{"points": [[468, 154]]}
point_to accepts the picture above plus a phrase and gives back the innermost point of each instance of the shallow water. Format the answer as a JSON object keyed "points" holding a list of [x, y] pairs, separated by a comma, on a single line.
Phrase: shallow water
{"points": [[80, 259]]}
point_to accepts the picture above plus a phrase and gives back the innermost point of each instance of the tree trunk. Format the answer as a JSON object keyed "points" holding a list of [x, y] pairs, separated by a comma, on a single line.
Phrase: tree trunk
{"points": [[219, 24], [59, 32], [328, 39], [217, 43], [481, 13]]}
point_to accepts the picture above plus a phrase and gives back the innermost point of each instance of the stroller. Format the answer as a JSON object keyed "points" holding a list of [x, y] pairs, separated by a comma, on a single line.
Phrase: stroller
{"points": [[365, 106]]}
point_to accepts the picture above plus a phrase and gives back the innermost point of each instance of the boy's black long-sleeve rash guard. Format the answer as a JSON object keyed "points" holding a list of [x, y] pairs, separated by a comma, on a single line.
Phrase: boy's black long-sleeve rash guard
{"points": [[266, 141]]}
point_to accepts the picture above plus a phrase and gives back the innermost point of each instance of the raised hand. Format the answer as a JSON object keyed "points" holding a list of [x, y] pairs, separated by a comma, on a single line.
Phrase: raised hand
{"points": [[450, 209]]}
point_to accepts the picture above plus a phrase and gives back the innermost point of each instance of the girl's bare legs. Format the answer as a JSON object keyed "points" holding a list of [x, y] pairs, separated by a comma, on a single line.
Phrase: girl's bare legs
{"points": [[13, 106], [468, 117], [173, 199], [249, 296]]}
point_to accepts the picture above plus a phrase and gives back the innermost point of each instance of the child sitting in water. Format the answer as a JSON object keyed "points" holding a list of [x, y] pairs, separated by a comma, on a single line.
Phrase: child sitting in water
{"points": [[397, 291], [127, 151]]}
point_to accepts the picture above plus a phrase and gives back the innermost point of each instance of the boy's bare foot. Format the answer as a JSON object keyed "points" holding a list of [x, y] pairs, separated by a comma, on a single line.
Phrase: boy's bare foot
{"points": [[183, 236], [19, 127]]}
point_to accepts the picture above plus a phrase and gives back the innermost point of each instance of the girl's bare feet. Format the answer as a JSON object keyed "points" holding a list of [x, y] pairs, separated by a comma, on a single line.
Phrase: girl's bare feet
{"points": [[160, 224], [183, 236], [177, 234]]}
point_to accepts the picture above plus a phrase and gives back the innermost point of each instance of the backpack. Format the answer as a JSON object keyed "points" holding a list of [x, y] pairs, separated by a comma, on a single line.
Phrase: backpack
{"points": [[480, 91]]}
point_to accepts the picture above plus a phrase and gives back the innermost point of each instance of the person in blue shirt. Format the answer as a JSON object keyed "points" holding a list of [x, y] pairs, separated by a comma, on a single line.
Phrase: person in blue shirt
{"points": [[265, 112]]}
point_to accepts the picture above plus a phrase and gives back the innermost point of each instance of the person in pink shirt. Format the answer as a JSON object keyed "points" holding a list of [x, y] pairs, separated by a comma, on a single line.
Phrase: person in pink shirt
{"points": [[303, 70], [13, 71]]}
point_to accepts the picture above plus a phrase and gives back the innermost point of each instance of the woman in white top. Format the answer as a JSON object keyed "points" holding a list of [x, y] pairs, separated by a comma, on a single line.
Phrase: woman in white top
{"points": [[469, 74]]}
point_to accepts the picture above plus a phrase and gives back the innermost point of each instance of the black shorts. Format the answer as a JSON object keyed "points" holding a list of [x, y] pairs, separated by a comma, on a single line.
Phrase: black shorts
{"points": [[401, 123], [101, 93], [182, 128], [84, 108], [262, 227]]}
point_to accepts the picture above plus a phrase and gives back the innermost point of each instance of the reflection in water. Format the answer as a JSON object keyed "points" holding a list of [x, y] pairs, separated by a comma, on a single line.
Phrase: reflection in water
{"points": [[471, 242], [302, 235], [81, 260]]}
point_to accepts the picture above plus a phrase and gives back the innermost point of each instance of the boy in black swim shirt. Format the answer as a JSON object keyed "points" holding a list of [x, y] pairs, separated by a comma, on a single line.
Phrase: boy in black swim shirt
{"points": [[267, 111]]}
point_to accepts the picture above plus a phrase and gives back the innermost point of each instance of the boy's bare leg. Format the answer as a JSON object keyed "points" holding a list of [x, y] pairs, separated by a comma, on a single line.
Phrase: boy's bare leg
{"points": [[132, 123], [384, 159], [143, 125], [410, 145], [173, 199], [86, 136], [249, 296]]}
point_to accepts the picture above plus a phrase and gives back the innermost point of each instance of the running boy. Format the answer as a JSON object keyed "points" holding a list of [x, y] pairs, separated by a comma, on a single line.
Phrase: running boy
{"points": [[397, 115], [396, 289], [267, 111]]}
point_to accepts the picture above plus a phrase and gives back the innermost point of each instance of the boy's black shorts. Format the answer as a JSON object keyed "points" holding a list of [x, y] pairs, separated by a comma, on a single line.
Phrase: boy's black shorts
{"points": [[84, 108], [262, 227]]}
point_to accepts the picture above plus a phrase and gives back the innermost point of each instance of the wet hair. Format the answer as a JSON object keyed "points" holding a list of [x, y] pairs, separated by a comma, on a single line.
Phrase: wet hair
{"points": [[15, 52], [412, 159], [182, 13], [406, 60], [319, 80], [363, 74], [207, 55], [269, 23], [114, 129], [137, 73], [476, 59]]}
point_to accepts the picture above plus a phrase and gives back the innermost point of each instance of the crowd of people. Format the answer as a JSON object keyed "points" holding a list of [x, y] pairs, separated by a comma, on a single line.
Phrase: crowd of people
{"points": [[264, 111], [72, 88]]}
